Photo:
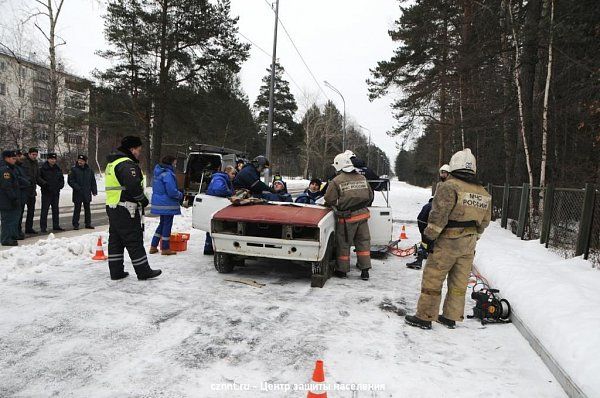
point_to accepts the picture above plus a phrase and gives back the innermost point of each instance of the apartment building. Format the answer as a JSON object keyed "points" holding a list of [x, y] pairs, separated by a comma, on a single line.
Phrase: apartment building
{"points": [[25, 105]]}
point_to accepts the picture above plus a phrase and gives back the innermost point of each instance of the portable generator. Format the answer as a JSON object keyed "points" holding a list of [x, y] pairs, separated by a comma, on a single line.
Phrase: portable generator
{"points": [[488, 307]]}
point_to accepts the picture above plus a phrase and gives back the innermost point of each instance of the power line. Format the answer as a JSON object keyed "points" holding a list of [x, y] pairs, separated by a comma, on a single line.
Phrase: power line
{"points": [[299, 54], [269, 55]]}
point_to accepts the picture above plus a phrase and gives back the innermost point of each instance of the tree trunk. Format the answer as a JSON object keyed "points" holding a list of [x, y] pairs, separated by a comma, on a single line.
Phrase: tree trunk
{"points": [[546, 99], [163, 78], [522, 122]]}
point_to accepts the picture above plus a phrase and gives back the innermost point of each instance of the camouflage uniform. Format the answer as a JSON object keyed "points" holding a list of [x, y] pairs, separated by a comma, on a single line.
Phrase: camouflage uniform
{"points": [[460, 212], [350, 194]]}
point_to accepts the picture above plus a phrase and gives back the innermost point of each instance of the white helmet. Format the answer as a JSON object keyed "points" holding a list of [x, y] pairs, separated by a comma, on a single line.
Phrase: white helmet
{"points": [[445, 168], [342, 162], [463, 161], [350, 153]]}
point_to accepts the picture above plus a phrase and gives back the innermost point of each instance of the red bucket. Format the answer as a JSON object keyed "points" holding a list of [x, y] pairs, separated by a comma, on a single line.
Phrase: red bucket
{"points": [[179, 241]]}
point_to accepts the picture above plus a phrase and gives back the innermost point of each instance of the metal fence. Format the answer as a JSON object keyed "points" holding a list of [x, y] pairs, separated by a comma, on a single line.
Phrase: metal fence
{"points": [[565, 220]]}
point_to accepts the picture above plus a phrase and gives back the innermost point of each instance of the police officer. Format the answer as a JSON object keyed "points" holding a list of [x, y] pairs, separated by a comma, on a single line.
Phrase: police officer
{"points": [[24, 188], [30, 164], [83, 181], [10, 194], [460, 212], [51, 180], [249, 177], [349, 194], [125, 201]]}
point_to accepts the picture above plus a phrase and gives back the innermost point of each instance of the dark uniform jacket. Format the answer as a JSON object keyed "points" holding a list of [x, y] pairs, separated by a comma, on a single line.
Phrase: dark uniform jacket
{"points": [[249, 178], [9, 188], [130, 176], [51, 178], [349, 192], [24, 182], [423, 216], [83, 182], [33, 171]]}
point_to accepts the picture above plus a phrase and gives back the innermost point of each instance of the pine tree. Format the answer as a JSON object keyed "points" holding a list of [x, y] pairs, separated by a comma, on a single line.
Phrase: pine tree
{"points": [[287, 135]]}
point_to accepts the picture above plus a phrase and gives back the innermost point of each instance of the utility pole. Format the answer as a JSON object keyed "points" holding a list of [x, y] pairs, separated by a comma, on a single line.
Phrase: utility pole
{"points": [[272, 93], [327, 84]]}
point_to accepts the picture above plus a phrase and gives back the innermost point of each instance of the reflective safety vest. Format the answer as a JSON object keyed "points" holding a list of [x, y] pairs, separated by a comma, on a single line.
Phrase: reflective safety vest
{"points": [[112, 185]]}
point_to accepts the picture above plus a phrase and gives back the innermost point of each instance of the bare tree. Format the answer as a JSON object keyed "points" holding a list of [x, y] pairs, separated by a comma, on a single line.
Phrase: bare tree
{"points": [[546, 97], [51, 10]]}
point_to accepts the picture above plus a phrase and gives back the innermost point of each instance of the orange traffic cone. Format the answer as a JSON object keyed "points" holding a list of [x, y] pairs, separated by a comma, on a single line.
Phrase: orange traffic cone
{"points": [[99, 250], [403, 234], [318, 380]]}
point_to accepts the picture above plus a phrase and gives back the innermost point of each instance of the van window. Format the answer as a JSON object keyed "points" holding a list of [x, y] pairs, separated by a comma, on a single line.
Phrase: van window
{"points": [[200, 168]]}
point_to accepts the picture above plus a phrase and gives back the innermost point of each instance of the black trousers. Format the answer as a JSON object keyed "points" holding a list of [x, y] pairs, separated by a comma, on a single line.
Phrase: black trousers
{"points": [[77, 212], [30, 213], [125, 232], [50, 199]]}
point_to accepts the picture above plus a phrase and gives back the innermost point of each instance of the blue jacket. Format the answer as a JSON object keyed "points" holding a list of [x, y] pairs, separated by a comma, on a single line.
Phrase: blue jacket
{"points": [[165, 195], [249, 178], [309, 197], [10, 194], [220, 185], [423, 216]]}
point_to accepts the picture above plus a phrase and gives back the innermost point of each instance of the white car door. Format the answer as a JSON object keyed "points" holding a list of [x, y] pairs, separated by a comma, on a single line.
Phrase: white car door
{"points": [[205, 206]]}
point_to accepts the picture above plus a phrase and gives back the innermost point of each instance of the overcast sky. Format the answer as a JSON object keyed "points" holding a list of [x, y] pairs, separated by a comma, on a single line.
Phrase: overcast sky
{"points": [[339, 40]]}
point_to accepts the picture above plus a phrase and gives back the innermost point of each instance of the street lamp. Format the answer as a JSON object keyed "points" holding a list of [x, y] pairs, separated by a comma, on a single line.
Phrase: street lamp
{"points": [[327, 84]]}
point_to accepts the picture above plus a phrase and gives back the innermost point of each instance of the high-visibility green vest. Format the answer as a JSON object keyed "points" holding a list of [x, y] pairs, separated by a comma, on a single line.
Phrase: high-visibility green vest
{"points": [[111, 183]]}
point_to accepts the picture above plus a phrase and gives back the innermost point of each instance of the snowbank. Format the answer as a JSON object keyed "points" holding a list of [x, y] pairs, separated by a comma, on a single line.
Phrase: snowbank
{"points": [[556, 298]]}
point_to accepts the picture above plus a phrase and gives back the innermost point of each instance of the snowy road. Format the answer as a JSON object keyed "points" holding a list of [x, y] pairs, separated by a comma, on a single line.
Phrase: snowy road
{"points": [[68, 331]]}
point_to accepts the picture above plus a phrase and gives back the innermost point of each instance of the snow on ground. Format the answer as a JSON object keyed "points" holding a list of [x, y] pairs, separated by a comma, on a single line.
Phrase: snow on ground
{"points": [[556, 298], [68, 330]]}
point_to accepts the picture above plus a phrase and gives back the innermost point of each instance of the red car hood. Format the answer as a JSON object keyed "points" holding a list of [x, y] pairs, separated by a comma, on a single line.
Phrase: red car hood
{"points": [[273, 214]]}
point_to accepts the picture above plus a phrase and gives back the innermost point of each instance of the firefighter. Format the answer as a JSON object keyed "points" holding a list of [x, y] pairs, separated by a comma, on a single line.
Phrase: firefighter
{"points": [[460, 212], [349, 195], [444, 172], [125, 203], [10, 199]]}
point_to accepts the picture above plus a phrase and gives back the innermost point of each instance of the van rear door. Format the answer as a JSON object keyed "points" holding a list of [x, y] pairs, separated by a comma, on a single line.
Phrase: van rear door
{"points": [[380, 225]]}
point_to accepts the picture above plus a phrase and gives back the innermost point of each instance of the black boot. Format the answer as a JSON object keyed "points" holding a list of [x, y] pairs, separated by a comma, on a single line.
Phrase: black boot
{"points": [[417, 264], [117, 277], [364, 275], [339, 274], [449, 323], [412, 320], [31, 231], [151, 273]]}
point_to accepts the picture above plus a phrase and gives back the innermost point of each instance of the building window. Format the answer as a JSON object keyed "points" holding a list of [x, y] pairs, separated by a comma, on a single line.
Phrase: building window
{"points": [[21, 113], [2, 88], [2, 66], [23, 72], [21, 92], [73, 138], [2, 111], [41, 94], [41, 117], [43, 135]]}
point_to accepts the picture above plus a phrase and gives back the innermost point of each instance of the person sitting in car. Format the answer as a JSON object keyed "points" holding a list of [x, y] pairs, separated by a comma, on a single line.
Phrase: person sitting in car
{"points": [[312, 193], [279, 191]]}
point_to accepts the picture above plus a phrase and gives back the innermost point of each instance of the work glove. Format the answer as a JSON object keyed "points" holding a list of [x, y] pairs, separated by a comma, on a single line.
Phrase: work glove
{"points": [[144, 202], [428, 244]]}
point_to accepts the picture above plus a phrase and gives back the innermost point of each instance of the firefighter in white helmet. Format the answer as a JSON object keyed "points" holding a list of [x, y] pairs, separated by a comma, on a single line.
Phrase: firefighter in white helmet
{"points": [[349, 194], [461, 210], [444, 172]]}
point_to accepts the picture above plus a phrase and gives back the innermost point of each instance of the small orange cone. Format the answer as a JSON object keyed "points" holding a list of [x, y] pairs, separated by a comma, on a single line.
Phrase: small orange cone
{"points": [[318, 380], [403, 234], [99, 250]]}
